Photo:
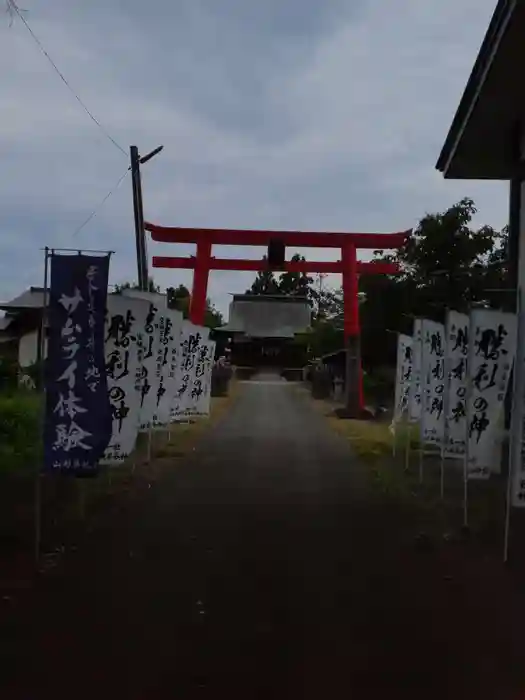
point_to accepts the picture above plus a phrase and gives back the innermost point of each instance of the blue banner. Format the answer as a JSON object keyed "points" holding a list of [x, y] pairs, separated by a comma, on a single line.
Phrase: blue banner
{"points": [[78, 418]]}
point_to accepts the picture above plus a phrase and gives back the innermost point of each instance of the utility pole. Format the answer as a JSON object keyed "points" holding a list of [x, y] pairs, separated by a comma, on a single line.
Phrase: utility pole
{"points": [[140, 236]]}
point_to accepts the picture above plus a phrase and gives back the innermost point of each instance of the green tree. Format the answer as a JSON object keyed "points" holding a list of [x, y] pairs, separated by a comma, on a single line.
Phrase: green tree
{"points": [[325, 336], [264, 283], [152, 287], [179, 298], [297, 283], [446, 260], [446, 264], [213, 317], [287, 284]]}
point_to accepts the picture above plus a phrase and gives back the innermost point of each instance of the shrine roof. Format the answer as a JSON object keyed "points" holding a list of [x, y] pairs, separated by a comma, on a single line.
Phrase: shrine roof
{"points": [[32, 298], [268, 316]]}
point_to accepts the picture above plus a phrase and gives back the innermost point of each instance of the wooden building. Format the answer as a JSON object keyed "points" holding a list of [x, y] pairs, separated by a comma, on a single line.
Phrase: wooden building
{"points": [[268, 331]]}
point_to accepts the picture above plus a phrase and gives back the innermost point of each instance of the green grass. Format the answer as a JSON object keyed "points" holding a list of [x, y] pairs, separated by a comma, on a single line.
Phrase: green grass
{"points": [[20, 431], [373, 444], [373, 440], [71, 506]]}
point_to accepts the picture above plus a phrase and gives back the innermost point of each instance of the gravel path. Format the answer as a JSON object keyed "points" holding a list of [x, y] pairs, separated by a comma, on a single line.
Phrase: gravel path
{"points": [[263, 567]]}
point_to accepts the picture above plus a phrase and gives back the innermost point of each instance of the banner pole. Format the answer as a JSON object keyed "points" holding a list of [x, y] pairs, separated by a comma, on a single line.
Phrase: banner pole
{"points": [[80, 251], [446, 402], [408, 445], [394, 441], [468, 394], [466, 453], [506, 537], [465, 490], [41, 388], [516, 426], [442, 474], [150, 438], [423, 383], [38, 516]]}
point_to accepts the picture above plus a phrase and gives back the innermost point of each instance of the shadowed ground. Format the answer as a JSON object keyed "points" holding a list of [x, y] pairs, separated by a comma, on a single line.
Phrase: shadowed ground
{"points": [[264, 567]]}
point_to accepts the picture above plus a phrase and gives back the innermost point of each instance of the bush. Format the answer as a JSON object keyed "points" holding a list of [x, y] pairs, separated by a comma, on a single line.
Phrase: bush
{"points": [[378, 389], [20, 431], [220, 380], [8, 374]]}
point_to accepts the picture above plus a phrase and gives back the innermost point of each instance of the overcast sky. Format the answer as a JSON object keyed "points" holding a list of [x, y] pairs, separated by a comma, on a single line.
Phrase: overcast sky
{"points": [[301, 114]]}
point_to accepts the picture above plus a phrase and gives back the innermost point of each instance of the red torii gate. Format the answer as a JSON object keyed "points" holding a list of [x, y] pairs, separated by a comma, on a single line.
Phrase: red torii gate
{"points": [[348, 266]]}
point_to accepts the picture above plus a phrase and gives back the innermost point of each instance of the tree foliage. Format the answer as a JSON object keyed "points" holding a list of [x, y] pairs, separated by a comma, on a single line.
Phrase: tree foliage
{"points": [[294, 284], [152, 287], [447, 264], [265, 283], [179, 298]]}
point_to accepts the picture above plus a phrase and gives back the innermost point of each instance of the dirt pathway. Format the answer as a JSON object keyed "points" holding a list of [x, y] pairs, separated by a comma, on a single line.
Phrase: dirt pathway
{"points": [[263, 567]]}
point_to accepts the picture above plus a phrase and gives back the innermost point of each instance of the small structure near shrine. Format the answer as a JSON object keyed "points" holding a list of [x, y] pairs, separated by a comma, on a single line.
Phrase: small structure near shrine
{"points": [[20, 328]]}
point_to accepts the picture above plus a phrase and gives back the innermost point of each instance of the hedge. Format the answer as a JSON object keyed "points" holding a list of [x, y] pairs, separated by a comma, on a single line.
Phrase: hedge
{"points": [[20, 431]]}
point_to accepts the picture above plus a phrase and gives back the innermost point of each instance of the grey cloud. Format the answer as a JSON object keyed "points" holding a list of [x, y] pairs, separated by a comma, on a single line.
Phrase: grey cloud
{"points": [[299, 114]]}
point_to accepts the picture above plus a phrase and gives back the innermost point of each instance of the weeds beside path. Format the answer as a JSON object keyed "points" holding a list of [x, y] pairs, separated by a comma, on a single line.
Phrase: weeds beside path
{"points": [[399, 480], [72, 509]]}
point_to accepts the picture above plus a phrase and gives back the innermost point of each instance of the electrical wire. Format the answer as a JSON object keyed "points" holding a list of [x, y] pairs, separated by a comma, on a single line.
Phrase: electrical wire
{"points": [[12, 7], [30, 274], [97, 209]]}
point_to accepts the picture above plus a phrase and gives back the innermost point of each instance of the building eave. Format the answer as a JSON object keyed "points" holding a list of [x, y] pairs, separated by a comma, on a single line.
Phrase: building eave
{"points": [[448, 162]]}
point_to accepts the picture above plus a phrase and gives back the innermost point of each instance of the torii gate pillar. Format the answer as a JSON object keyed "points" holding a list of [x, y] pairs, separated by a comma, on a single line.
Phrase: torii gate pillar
{"points": [[353, 378], [200, 282]]}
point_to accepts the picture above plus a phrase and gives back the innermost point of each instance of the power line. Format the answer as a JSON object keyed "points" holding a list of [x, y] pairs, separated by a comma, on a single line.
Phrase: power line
{"points": [[12, 8], [29, 275], [96, 210]]}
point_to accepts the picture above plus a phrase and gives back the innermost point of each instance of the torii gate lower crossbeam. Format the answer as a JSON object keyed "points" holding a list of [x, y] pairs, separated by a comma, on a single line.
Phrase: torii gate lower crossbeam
{"points": [[348, 266]]}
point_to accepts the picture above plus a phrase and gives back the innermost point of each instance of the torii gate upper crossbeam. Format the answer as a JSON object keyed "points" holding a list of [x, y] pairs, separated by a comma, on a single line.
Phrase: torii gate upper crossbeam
{"points": [[294, 239]]}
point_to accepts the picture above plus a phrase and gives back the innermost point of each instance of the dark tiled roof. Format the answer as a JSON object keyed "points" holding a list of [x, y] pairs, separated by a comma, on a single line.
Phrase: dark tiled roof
{"points": [[32, 298]]}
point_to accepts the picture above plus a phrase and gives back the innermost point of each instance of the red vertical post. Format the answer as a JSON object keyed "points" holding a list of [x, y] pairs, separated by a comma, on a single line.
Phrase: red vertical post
{"points": [[353, 384], [350, 290], [200, 282]]}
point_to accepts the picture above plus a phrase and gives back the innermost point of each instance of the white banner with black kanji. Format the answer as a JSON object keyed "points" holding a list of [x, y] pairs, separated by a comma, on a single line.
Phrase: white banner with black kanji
{"points": [[166, 367], [414, 395], [125, 319], [403, 377], [492, 348], [456, 358], [200, 395], [147, 382], [433, 383], [192, 338]]}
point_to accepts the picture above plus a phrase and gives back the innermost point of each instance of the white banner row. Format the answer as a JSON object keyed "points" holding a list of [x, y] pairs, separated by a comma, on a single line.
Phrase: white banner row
{"points": [[158, 368], [452, 379]]}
